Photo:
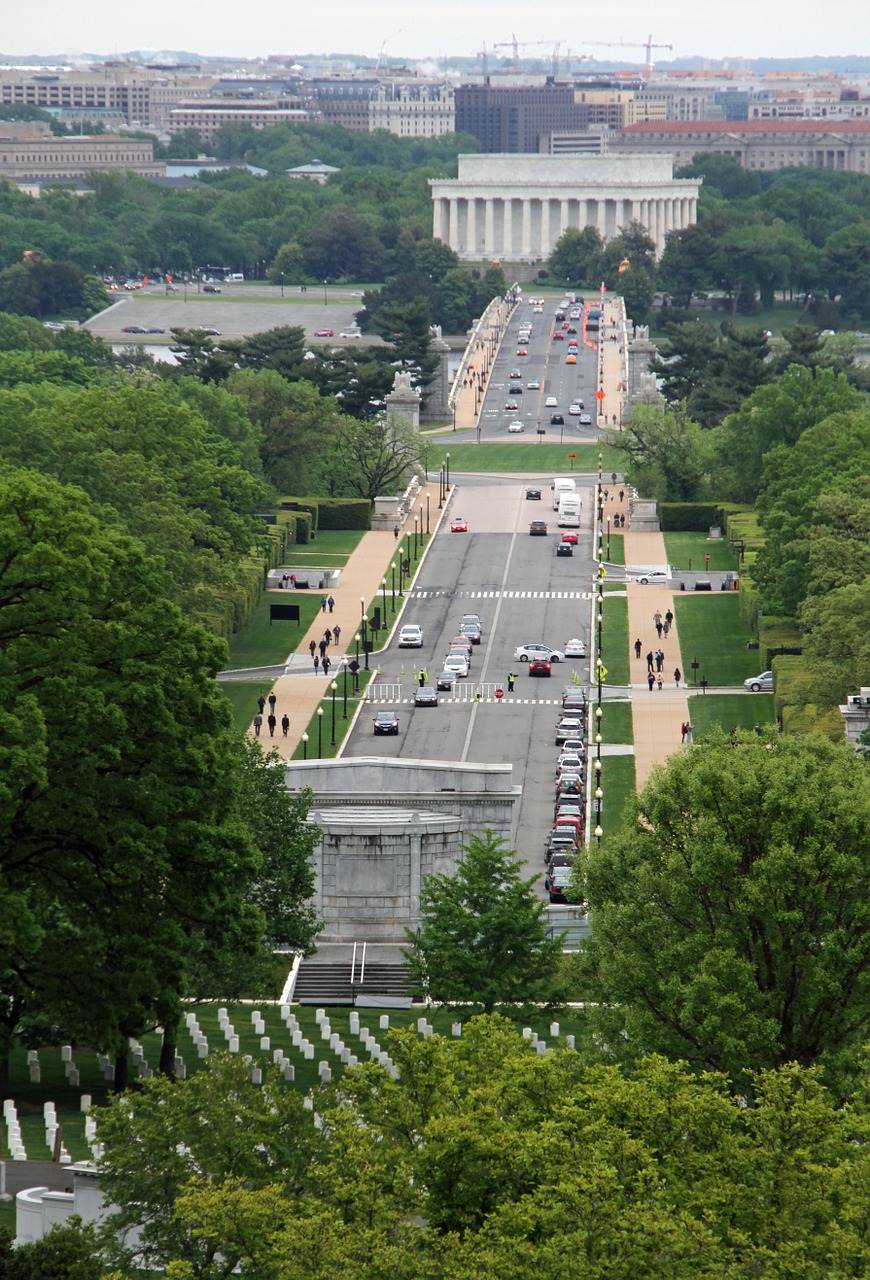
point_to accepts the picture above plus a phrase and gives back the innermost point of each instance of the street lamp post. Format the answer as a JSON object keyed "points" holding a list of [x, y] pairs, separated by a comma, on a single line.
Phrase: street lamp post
{"points": [[416, 522], [356, 673], [365, 635], [447, 482], [333, 687], [408, 557], [608, 537], [305, 746], [384, 595], [421, 526], [441, 487], [319, 733], [393, 586], [324, 293], [344, 665], [427, 515]]}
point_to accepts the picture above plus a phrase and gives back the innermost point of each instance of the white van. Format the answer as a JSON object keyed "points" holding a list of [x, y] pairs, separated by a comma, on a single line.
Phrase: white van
{"points": [[560, 485], [236, 277]]}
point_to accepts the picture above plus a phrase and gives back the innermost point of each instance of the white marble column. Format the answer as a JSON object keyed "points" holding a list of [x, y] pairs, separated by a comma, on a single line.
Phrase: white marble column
{"points": [[508, 236], [471, 226], [600, 214], [564, 215], [453, 223], [437, 219], [526, 248], [489, 228]]}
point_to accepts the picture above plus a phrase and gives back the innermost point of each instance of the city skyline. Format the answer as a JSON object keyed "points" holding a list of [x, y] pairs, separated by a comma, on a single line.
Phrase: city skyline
{"points": [[438, 30]]}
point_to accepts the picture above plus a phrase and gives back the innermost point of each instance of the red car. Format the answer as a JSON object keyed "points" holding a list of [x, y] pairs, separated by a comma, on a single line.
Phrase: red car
{"points": [[522, 351], [558, 337], [570, 536], [539, 667], [459, 525], [324, 333]]}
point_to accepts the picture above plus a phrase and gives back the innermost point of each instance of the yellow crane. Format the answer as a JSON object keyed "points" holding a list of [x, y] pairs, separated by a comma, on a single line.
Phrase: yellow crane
{"points": [[649, 44]]}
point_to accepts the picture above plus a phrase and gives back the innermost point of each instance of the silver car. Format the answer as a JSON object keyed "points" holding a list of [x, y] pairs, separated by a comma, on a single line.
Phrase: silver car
{"points": [[760, 684]]}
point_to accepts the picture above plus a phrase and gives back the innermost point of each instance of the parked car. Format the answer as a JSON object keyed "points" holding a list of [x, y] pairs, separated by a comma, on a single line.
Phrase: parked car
{"points": [[526, 652], [459, 525], [760, 684], [425, 696], [533, 495], [568, 727], [556, 883], [411, 636], [539, 667], [386, 722], [538, 529], [575, 649], [324, 333]]}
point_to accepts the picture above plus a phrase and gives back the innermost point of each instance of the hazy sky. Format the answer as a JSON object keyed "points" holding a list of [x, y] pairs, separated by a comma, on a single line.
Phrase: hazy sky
{"points": [[421, 28]]}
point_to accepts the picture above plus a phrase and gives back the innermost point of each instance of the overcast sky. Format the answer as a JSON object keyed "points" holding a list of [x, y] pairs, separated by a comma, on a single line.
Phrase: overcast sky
{"points": [[434, 28]]}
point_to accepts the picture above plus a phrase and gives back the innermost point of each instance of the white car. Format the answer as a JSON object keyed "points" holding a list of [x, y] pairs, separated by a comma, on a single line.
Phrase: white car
{"points": [[551, 402], [760, 684], [533, 385], [411, 637], [526, 652], [515, 428], [456, 662], [575, 649], [653, 575], [349, 333], [575, 410]]}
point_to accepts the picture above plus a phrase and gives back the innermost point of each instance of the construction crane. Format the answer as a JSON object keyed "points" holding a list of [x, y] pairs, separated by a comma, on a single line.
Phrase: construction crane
{"points": [[513, 44], [647, 44], [381, 62]]}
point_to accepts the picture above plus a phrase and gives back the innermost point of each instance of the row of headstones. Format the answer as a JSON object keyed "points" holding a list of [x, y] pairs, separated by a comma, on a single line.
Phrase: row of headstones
{"points": [[13, 1130], [55, 1145], [342, 1051]]}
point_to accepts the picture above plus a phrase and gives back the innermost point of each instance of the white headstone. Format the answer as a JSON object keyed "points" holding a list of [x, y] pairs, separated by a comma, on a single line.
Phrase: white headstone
{"points": [[234, 1044], [554, 1029], [265, 1043], [85, 1102], [385, 1022]]}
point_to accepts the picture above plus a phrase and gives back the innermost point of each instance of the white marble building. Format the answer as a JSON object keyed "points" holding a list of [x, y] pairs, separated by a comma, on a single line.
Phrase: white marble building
{"points": [[517, 206]]}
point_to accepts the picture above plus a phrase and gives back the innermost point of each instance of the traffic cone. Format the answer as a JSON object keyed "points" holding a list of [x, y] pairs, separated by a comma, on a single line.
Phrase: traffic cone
{"points": [[402, 669]]}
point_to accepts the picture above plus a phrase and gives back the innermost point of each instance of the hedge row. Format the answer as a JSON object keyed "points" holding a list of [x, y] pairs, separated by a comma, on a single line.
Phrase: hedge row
{"points": [[332, 513], [777, 636], [792, 701], [696, 517]]}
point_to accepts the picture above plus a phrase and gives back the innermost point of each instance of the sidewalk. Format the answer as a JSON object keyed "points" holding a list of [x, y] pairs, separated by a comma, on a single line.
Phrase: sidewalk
{"points": [[299, 695]]}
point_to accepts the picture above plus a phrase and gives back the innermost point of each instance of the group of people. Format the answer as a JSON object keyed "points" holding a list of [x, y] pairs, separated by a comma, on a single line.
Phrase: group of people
{"points": [[321, 660], [271, 719], [655, 662]]}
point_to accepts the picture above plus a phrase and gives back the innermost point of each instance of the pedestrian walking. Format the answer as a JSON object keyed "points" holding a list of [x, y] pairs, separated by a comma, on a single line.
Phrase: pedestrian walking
{"points": [[336, 632], [659, 681], [326, 664], [683, 732], [316, 664], [650, 681], [660, 626], [271, 722], [678, 675], [622, 495], [637, 648], [261, 703], [669, 616], [272, 700], [605, 495], [331, 604], [657, 616], [660, 659], [285, 723], [312, 648], [258, 723], [396, 532], [649, 660], [511, 679], [322, 647], [327, 635], [323, 604], [666, 626]]}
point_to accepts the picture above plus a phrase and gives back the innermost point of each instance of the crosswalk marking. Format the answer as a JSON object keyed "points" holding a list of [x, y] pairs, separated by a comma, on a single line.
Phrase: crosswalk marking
{"points": [[500, 595]]}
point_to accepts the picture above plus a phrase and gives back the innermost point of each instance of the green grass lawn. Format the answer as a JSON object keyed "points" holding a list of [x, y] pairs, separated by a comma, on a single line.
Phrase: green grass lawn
{"points": [[320, 734], [616, 721], [259, 644], [531, 459], [614, 547], [712, 632], [614, 639], [618, 785], [331, 548], [729, 710], [687, 550]]}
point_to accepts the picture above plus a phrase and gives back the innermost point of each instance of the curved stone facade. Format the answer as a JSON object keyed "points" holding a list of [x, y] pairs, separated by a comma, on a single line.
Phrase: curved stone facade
{"points": [[517, 206]]}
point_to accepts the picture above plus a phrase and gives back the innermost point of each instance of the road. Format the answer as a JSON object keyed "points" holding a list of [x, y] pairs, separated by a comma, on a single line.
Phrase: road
{"points": [[524, 593]]}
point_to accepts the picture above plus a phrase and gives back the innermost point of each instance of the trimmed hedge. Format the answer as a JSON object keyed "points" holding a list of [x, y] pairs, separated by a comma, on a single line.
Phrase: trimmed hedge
{"points": [[778, 636], [792, 701], [696, 517], [344, 513]]}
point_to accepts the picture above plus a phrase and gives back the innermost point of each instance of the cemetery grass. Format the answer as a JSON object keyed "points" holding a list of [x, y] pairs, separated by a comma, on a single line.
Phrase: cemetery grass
{"points": [[712, 632], [531, 459], [242, 695], [260, 645], [616, 722], [725, 711], [330, 548], [684, 549], [614, 640]]}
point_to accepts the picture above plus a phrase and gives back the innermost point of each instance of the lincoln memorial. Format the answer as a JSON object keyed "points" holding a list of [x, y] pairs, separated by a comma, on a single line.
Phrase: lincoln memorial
{"points": [[517, 206]]}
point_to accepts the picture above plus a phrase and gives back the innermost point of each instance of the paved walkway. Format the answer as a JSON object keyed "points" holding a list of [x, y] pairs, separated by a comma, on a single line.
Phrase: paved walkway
{"points": [[299, 691]]}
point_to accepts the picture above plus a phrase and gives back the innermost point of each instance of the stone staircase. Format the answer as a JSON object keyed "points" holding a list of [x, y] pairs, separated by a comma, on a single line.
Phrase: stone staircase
{"points": [[361, 976]]}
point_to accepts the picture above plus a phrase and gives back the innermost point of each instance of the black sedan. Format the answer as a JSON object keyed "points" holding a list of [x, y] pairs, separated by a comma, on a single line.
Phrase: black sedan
{"points": [[557, 420], [386, 722], [539, 667], [426, 696], [533, 495], [564, 549], [538, 529]]}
